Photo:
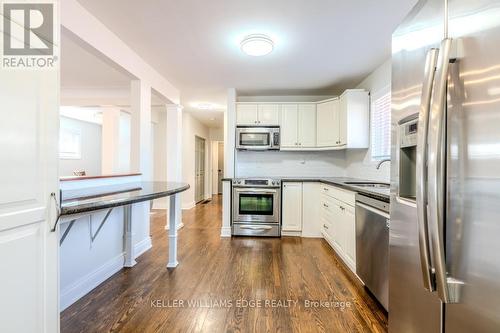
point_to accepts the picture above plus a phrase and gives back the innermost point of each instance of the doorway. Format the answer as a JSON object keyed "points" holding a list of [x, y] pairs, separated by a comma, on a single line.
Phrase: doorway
{"points": [[220, 166], [199, 152]]}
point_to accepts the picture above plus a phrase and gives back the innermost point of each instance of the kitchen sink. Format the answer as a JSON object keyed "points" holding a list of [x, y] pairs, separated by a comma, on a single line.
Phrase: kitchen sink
{"points": [[369, 184]]}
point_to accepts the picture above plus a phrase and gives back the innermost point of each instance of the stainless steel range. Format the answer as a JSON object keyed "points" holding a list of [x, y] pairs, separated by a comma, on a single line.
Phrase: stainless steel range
{"points": [[256, 207]]}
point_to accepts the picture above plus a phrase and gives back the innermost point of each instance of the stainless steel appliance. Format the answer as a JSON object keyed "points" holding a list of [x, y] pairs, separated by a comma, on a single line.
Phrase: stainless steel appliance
{"points": [[256, 207], [444, 273], [372, 245], [258, 137]]}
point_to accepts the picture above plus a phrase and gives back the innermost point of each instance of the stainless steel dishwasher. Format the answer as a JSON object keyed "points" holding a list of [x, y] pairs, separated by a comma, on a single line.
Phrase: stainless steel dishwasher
{"points": [[372, 245]]}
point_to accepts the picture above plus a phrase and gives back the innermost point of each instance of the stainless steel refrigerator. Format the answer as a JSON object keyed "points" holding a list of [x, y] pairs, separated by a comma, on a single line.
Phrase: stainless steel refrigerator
{"points": [[445, 176]]}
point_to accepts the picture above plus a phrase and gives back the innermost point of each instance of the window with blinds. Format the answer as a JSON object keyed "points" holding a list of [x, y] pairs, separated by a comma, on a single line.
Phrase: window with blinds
{"points": [[381, 125]]}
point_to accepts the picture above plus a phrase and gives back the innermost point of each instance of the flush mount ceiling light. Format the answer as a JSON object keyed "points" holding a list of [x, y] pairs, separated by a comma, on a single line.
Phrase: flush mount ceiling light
{"points": [[204, 106], [257, 45]]}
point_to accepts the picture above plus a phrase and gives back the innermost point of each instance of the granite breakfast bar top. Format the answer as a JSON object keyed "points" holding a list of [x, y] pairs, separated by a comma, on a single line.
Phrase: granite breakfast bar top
{"points": [[109, 196], [343, 182]]}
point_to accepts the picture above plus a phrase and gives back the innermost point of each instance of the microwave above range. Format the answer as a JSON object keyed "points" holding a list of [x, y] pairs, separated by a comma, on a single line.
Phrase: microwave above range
{"points": [[258, 137]]}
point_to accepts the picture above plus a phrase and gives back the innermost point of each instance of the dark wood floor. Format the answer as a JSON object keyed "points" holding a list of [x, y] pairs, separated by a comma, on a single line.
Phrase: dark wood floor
{"points": [[221, 274]]}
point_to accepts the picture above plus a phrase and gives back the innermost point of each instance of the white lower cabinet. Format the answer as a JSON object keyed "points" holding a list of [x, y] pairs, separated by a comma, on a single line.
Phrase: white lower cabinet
{"points": [[339, 222], [312, 209], [291, 214]]}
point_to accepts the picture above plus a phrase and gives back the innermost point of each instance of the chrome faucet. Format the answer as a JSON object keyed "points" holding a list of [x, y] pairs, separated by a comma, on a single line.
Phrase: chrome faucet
{"points": [[382, 161]]}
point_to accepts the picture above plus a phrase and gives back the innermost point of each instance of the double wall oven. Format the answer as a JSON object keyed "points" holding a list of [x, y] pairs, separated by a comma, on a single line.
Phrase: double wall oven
{"points": [[256, 207]]}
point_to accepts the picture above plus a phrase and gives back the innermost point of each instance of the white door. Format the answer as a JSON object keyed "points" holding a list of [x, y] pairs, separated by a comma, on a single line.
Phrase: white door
{"points": [[199, 191], [307, 125], [247, 114], [269, 114], [220, 165], [328, 124], [292, 207], [29, 132], [349, 222], [337, 224], [289, 126], [342, 114]]}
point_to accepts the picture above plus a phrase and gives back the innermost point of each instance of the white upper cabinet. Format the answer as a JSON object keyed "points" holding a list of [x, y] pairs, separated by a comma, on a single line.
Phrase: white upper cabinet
{"points": [[269, 114], [307, 126], [298, 126], [289, 126], [354, 119], [337, 123], [247, 114], [257, 114], [328, 124], [344, 122]]}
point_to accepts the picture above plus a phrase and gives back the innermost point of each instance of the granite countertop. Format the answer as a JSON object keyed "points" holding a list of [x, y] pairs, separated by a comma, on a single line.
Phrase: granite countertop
{"points": [[109, 197], [379, 193]]}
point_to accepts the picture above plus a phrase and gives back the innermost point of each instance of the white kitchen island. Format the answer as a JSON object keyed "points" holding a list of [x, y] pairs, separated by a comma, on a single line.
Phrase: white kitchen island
{"points": [[104, 226]]}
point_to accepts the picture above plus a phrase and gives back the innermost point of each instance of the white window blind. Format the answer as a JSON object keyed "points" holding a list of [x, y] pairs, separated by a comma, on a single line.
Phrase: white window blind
{"points": [[381, 124]]}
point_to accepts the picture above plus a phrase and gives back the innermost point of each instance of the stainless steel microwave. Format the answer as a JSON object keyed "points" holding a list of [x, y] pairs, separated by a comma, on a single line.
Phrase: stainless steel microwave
{"points": [[258, 137]]}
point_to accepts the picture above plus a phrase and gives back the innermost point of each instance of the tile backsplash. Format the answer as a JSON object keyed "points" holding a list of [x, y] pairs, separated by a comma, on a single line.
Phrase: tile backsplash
{"points": [[351, 163], [290, 164]]}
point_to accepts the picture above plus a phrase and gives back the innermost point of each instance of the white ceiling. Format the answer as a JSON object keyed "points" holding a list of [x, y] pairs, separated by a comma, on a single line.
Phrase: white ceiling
{"points": [[321, 46]]}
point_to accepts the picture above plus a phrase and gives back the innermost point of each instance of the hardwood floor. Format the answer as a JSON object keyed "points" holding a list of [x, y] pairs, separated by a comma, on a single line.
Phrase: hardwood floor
{"points": [[221, 274]]}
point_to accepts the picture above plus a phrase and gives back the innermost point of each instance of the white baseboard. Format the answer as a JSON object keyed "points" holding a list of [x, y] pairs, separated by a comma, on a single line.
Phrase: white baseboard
{"points": [[291, 233], [142, 246], [87, 283], [180, 226], [189, 205], [225, 232]]}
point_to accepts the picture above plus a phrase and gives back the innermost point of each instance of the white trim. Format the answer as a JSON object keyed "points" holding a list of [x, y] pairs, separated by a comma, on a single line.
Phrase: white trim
{"points": [[142, 246], [291, 233], [189, 205], [180, 226], [87, 283], [225, 232]]}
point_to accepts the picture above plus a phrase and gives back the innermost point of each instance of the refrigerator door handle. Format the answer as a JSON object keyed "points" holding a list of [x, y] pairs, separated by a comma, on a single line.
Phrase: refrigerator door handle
{"points": [[447, 287], [422, 134]]}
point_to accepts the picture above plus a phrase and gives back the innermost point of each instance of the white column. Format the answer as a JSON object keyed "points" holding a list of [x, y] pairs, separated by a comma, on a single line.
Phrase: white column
{"points": [[172, 232], [140, 152], [229, 152], [110, 141], [174, 156], [160, 155]]}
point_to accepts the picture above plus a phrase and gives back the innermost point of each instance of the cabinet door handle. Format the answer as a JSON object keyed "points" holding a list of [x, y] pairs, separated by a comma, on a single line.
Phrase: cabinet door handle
{"points": [[325, 205], [324, 188], [325, 226]]}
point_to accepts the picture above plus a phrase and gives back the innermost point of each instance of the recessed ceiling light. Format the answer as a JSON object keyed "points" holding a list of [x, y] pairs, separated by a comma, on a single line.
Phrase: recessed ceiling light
{"points": [[257, 45]]}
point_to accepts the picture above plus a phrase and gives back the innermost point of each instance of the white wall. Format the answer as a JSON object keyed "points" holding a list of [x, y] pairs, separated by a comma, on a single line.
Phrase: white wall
{"points": [[358, 161], [192, 127], [90, 148], [290, 164]]}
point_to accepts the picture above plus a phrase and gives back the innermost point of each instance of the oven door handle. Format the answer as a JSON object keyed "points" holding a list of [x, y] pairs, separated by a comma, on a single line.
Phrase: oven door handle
{"points": [[253, 227], [253, 191]]}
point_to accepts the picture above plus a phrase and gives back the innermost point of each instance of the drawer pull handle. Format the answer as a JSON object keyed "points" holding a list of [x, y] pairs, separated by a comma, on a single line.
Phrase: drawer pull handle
{"points": [[324, 188], [325, 205]]}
